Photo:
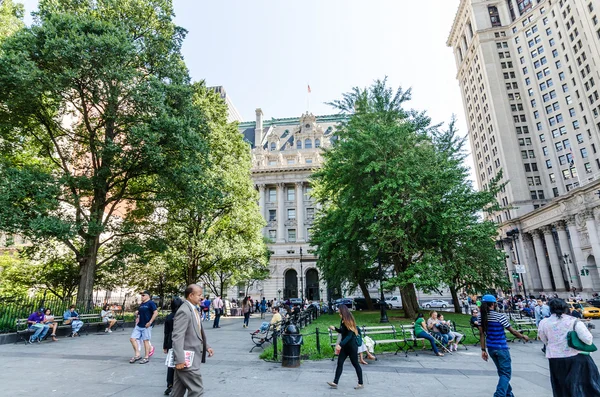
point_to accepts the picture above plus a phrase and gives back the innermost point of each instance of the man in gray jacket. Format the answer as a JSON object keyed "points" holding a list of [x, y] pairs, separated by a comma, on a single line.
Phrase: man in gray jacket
{"points": [[188, 335]]}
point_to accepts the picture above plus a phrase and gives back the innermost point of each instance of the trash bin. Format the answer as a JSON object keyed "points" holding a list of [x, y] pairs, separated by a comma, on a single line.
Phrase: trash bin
{"points": [[292, 340]]}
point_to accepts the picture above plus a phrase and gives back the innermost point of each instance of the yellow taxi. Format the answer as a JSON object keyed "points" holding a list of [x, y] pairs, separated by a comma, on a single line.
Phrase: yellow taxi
{"points": [[587, 310]]}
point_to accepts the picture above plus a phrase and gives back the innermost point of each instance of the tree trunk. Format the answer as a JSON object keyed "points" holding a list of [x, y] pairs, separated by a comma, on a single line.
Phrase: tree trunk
{"points": [[409, 301], [365, 292], [85, 293], [457, 307]]}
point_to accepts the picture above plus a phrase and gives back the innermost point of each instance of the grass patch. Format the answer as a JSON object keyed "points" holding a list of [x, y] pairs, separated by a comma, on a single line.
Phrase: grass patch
{"points": [[396, 317]]}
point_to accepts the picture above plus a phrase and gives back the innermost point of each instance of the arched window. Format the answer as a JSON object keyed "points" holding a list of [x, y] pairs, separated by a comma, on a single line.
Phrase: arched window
{"points": [[307, 144], [317, 142], [299, 144], [273, 146]]}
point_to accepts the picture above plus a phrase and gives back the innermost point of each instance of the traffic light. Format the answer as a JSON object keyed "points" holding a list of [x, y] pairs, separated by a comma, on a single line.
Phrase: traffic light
{"points": [[515, 275], [585, 272]]}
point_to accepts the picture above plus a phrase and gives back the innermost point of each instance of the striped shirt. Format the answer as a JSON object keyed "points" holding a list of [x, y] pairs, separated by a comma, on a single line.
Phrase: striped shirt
{"points": [[495, 338]]}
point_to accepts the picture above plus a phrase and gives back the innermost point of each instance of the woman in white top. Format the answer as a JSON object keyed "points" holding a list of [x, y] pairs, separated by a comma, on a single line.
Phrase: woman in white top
{"points": [[107, 318], [572, 373], [49, 320]]}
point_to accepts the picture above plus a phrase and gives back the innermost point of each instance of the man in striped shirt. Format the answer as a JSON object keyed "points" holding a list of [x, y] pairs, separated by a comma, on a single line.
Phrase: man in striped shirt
{"points": [[493, 342]]}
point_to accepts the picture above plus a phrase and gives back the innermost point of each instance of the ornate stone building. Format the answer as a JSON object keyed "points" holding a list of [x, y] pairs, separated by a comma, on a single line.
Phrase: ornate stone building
{"points": [[285, 153]]}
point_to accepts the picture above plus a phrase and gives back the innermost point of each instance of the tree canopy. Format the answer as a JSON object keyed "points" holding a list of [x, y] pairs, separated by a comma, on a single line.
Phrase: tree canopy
{"points": [[401, 185], [96, 110]]}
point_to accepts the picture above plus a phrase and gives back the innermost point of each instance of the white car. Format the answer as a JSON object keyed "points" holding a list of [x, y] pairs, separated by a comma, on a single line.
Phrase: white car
{"points": [[394, 302], [436, 303]]}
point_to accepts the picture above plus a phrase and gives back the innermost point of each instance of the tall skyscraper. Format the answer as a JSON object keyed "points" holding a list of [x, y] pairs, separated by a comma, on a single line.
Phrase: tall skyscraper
{"points": [[528, 73]]}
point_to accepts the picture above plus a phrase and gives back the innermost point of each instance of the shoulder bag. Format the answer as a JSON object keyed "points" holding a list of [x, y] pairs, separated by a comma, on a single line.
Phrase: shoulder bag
{"points": [[574, 342]]}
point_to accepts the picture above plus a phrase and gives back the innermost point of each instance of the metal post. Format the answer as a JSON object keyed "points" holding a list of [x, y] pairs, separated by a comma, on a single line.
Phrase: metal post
{"points": [[318, 340], [383, 318], [275, 335], [301, 278], [514, 233]]}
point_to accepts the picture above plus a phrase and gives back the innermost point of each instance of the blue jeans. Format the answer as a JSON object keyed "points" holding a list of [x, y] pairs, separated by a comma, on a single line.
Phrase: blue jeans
{"points": [[431, 340], [444, 338], [502, 360], [40, 331], [76, 325]]}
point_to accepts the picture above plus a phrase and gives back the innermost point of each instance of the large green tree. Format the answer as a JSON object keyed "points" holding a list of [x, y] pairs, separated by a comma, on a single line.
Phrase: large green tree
{"points": [[95, 110], [216, 221], [392, 173]]}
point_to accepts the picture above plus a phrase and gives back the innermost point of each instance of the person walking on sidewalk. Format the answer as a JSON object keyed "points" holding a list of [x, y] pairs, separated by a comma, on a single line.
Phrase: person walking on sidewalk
{"points": [[246, 308], [493, 343], [218, 308], [168, 340], [263, 307], [147, 313], [348, 347], [573, 373], [189, 336]]}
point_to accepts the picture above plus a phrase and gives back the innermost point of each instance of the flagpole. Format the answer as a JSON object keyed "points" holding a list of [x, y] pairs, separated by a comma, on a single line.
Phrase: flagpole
{"points": [[308, 98]]}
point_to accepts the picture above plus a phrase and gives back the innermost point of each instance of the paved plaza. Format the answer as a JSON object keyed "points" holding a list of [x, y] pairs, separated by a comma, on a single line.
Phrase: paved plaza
{"points": [[97, 365]]}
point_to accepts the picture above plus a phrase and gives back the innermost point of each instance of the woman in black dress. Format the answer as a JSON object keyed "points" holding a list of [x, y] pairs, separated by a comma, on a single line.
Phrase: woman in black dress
{"points": [[348, 347]]}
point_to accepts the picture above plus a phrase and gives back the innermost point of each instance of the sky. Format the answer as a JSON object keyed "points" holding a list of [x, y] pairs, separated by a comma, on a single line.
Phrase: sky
{"points": [[266, 52]]}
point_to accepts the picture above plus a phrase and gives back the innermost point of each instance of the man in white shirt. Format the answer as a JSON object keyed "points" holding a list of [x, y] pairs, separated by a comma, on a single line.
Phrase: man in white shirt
{"points": [[218, 308]]}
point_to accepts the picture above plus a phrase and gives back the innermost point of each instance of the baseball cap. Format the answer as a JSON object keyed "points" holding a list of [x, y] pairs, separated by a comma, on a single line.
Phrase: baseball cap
{"points": [[145, 292], [488, 298]]}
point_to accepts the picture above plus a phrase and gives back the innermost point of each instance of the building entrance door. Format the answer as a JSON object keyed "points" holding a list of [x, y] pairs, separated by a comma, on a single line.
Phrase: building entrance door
{"points": [[312, 285], [291, 284]]}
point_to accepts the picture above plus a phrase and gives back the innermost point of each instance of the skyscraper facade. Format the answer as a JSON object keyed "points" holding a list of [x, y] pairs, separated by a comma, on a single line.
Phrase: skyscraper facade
{"points": [[528, 73]]}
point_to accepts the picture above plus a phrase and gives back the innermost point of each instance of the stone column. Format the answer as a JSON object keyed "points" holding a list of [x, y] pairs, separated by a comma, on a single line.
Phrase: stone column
{"points": [[563, 241], [540, 255], [525, 261], [509, 265], [531, 264], [590, 224], [516, 9], [261, 200], [557, 275], [280, 213], [577, 258], [300, 212]]}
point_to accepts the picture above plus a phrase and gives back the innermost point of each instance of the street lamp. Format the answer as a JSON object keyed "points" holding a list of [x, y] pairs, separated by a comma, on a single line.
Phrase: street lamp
{"points": [[301, 277], [514, 233], [382, 305]]}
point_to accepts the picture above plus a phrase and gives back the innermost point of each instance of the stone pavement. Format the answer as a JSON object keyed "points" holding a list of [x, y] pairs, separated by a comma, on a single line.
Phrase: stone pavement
{"points": [[97, 365]]}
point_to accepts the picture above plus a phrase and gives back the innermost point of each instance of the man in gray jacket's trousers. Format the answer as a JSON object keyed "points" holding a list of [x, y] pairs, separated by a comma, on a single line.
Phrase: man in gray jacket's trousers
{"points": [[189, 335]]}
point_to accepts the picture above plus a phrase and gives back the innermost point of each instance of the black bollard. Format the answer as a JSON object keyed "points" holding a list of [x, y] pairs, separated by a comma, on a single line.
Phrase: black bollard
{"points": [[275, 334]]}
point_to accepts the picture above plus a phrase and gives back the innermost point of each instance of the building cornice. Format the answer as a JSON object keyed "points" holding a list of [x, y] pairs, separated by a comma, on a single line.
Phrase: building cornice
{"points": [[454, 31], [330, 118]]}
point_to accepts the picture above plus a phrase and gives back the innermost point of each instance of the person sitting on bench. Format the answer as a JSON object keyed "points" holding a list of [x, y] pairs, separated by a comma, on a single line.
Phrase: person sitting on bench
{"points": [[36, 322], [49, 321], [107, 318], [72, 317]]}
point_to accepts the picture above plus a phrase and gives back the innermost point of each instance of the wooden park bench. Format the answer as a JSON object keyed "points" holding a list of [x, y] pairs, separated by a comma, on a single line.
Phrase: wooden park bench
{"points": [[24, 332]]}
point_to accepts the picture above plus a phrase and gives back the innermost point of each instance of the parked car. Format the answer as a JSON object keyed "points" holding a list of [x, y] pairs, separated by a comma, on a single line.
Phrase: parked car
{"points": [[436, 303], [594, 302], [394, 302], [343, 301], [587, 310], [361, 303], [295, 301]]}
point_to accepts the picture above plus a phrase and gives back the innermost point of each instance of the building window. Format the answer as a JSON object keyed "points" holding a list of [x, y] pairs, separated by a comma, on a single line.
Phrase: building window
{"points": [[291, 161], [272, 195], [307, 144], [291, 235], [552, 177], [291, 193], [310, 213], [307, 193], [272, 215], [299, 144], [308, 161], [317, 143], [494, 16], [291, 213], [273, 146], [272, 234]]}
